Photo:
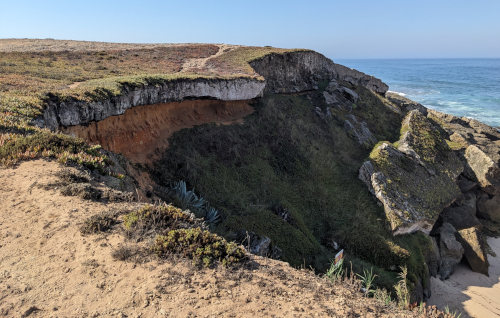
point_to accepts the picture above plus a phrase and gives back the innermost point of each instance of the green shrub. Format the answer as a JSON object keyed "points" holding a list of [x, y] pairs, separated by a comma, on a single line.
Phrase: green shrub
{"points": [[336, 271], [158, 219], [203, 247]]}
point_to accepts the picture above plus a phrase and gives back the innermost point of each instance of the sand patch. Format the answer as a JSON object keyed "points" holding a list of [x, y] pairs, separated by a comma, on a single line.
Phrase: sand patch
{"points": [[473, 294]]}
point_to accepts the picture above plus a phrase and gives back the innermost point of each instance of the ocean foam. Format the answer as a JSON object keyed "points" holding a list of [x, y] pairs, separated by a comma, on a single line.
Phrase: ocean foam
{"points": [[399, 93]]}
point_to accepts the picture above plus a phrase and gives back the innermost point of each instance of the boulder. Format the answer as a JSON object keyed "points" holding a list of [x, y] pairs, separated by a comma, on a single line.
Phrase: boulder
{"points": [[416, 180], [466, 185], [404, 104], [349, 94], [474, 249], [259, 245], [489, 208], [335, 94], [485, 169], [462, 216], [433, 259], [450, 250]]}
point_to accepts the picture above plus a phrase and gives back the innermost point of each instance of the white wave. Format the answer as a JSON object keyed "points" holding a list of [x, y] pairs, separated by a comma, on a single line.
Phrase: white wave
{"points": [[399, 93]]}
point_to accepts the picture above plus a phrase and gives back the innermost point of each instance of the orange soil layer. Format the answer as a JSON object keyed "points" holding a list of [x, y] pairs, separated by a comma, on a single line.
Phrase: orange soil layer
{"points": [[142, 132]]}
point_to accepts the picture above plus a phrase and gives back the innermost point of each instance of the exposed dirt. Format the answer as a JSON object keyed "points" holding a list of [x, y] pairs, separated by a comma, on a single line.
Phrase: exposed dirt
{"points": [[48, 269], [141, 133]]}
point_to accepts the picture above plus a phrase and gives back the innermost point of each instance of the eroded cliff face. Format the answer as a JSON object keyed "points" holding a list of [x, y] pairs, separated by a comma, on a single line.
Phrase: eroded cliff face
{"points": [[70, 113], [302, 71], [141, 133], [292, 72]]}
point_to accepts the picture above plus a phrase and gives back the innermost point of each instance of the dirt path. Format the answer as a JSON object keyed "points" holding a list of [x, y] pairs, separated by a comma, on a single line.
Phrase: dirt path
{"points": [[471, 293], [193, 65], [48, 269]]}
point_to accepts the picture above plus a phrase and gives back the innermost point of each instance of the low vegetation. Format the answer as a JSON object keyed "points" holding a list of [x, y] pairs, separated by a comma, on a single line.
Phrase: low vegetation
{"points": [[102, 222], [40, 143], [158, 219], [204, 247], [400, 298]]}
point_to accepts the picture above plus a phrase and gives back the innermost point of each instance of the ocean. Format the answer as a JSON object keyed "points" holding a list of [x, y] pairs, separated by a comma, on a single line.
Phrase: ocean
{"points": [[462, 87]]}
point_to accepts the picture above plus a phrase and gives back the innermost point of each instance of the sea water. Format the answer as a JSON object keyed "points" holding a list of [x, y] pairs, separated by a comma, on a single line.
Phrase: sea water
{"points": [[462, 87]]}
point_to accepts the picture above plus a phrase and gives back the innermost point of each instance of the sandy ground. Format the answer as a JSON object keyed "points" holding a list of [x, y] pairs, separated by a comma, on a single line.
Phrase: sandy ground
{"points": [[471, 293], [48, 269]]}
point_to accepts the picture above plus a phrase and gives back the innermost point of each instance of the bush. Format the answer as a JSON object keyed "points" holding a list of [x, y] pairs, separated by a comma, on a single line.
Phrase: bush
{"points": [[123, 253], [71, 176], [203, 247], [158, 219], [97, 223], [82, 190]]}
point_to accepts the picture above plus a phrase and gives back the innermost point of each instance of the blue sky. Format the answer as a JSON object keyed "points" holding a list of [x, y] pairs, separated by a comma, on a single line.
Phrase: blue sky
{"points": [[338, 29]]}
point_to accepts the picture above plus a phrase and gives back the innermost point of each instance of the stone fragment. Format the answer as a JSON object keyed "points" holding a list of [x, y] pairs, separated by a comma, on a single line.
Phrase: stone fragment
{"points": [[489, 208], [462, 216], [474, 249], [485, 168], [451, 251], [359, 130]]}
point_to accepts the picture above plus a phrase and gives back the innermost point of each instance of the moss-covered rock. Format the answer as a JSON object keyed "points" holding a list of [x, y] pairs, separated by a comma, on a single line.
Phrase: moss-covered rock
{"points": [[414, 178]]}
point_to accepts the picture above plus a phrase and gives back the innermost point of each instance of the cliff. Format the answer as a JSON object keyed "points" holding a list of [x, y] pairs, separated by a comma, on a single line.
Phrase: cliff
{"points": [[286, 73], [284, 151]]}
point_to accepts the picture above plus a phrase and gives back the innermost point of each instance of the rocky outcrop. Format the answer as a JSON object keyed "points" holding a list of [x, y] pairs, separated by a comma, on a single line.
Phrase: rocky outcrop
{"points": [[474, 249], [480, 147], [462, 214], [259, 245], [414, 179], [404, 104], [300, 71], [360, 131], [68, 113], [451, 251]]}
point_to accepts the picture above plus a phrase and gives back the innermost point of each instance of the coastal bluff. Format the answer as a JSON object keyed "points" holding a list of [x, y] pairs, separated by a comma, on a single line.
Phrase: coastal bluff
{"points": [[274, 159]]}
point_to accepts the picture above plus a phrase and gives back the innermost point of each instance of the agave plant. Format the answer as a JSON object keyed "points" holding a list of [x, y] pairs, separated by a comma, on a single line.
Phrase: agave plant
{"points": [[212, 216], [187, 199]]}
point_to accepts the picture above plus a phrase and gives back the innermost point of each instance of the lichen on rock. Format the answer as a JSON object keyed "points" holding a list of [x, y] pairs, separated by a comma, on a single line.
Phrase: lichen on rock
{"points": [[414, 178]]}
